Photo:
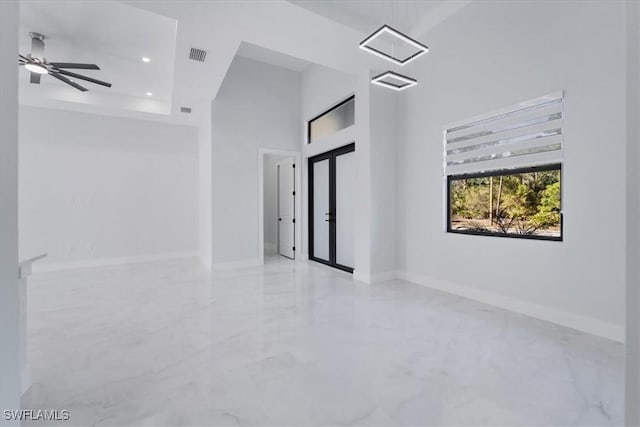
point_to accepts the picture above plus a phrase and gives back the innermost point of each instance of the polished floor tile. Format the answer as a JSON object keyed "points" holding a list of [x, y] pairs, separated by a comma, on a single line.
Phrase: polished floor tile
{"points": [[298, 344]]}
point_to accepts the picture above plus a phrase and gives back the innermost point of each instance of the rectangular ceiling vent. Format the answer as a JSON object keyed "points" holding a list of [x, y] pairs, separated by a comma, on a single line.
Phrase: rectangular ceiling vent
{"points": [[185, 110], [197, 54]]}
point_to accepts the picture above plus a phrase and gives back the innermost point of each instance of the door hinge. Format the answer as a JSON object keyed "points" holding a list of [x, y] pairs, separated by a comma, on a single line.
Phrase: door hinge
{"points": [[294, 220], [294, 193], [294, 165], [294, 248], [279, 219]]}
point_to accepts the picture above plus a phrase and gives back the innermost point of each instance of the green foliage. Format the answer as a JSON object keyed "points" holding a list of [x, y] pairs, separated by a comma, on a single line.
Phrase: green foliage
{"points": [[523, 203], [548, 213]]}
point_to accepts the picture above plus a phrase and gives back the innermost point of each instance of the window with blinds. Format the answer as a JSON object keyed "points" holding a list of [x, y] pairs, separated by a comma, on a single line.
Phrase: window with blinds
{"points": [[503, 171]]}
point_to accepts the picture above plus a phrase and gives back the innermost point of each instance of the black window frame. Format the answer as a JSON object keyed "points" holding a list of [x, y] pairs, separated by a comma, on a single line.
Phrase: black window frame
{"points": [[338, 105], [506, 172]]}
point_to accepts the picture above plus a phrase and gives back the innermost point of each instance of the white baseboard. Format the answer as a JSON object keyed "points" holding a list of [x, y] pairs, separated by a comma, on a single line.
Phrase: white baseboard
{"points": [[384, 276], [106, 262], [586, 324], [233, 265], [375, 277], [362, 276]]}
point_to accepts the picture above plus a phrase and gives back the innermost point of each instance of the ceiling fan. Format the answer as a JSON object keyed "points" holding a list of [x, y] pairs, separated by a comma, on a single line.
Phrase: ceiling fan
{"points": [[38, 65]]}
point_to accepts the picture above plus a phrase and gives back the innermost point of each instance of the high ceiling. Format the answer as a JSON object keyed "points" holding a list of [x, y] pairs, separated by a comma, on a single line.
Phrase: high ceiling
{"points": [[116, 34], [410, 16], [113, 35], [257, 53]]}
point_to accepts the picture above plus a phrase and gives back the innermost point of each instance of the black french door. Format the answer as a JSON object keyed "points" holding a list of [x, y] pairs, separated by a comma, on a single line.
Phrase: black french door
{"points": [[331, 208]]}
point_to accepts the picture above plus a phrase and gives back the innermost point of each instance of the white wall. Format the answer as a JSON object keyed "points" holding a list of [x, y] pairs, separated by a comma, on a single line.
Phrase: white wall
{"points": [[579, 48], [270, 201], [99, 189], [322, 88], [375, 135], [633, 216], [258, 106], [10, 385], [384, 144], [205, 239]]}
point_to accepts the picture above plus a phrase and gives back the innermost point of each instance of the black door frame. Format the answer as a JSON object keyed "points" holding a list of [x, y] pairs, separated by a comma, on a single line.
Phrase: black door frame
{"points": [[331, 156]]}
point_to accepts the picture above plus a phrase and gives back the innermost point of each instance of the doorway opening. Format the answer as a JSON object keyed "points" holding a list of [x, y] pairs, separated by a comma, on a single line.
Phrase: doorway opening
{"points": [[279, 210]]}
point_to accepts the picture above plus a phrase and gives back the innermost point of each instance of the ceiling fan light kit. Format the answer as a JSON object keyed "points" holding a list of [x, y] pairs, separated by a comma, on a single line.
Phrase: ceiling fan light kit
{"points": [[38, 66], [391, 79]]}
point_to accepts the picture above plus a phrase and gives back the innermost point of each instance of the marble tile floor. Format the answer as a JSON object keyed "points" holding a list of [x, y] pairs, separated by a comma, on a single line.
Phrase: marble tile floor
{"points": [[299, 344]]}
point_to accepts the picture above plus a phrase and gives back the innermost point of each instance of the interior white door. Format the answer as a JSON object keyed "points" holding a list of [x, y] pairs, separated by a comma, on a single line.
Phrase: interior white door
{"points": [[286, 208], [345, 209], [321, 210]]}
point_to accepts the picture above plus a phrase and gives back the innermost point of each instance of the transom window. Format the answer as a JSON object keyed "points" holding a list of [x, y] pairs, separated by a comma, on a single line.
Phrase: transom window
{"points": [[339, 117]]}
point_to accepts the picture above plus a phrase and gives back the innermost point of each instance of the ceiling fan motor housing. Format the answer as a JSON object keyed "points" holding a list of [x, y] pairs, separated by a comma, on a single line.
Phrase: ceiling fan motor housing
{"points": [[38, 36], [36, 63]]}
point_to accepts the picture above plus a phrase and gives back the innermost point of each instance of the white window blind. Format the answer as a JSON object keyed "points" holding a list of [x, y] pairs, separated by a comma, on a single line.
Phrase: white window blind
{"points": [[529, 133]]}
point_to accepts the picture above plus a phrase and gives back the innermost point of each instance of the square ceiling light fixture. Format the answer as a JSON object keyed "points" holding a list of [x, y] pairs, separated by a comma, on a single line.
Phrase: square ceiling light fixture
{"points": [[394, 81], [412, 49]]}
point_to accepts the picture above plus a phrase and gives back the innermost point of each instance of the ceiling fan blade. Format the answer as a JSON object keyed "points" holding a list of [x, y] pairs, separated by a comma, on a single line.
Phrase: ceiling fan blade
{"points": [[67, 81], [35, 78], [75, 65], [37, 48], [81, 77], [24, 58]]}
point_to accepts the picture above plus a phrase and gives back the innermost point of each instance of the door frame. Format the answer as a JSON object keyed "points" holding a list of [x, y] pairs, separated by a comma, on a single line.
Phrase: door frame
{"points": [[297, 156], [331, 156]]}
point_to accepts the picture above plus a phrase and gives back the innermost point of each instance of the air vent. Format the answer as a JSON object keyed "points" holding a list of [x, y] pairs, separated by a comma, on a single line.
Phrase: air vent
{"points": [[197, 54], [185, 110]]}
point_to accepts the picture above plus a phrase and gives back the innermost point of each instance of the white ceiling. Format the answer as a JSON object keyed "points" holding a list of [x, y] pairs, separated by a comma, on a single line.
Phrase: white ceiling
{"points": [[410, 16], [113, 35], [116, 34], [257, 53]]}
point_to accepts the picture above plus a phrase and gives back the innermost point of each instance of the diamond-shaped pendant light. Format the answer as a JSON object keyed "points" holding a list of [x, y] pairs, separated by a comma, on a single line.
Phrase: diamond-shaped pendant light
{"points": [[378, 44], [368, 45]]}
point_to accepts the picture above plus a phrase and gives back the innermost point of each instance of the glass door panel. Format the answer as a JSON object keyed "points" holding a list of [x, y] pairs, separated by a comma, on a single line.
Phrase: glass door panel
{"points": [[345, 209], [321, 213]]}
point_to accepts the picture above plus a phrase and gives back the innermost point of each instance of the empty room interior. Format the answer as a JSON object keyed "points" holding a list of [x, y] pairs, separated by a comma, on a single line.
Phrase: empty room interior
{"points": [[320, 213]]}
